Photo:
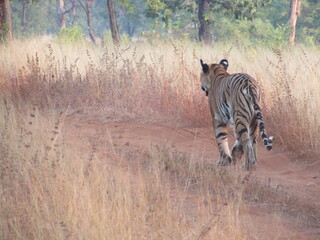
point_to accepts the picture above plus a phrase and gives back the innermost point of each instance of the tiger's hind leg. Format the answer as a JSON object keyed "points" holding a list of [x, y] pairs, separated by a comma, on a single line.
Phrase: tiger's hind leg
{"points": [[243, 137], [249, 154], [221, 132], [236, 152], [254, 133]]}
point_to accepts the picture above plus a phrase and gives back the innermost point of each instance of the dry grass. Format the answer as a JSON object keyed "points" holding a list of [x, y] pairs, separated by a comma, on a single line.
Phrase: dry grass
{"points": [[162, 82], [51, 191]]}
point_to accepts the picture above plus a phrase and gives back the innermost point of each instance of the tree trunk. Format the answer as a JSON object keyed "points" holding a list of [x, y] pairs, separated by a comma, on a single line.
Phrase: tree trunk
{"points": [[8, 18], [61, 14], [295, 8], [205, 22], [2, 20], [91, 33], [25, 6], [5, 20], [74, 12], [113, 22]]}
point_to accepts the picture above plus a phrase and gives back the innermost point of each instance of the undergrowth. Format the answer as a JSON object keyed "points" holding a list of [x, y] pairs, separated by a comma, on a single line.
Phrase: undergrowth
{"points": [[162, 82], [50, 190]]}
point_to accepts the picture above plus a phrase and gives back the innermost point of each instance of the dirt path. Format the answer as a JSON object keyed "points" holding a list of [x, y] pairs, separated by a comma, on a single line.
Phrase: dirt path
{"points": [[298, 217]]}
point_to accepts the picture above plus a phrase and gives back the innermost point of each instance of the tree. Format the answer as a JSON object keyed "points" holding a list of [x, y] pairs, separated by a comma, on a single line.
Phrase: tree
{"points": [[5, 20], [308, 29], [89, 20], [74, 11], [163, 9], [2, 19], [204, 22], [295, 8], [62, 12], [113, 22], [206, 10], [25, 6], [239, 9]]}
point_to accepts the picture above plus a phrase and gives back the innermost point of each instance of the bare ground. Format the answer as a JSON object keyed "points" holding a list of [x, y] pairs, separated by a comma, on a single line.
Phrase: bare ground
{"points": [[287, 208]]}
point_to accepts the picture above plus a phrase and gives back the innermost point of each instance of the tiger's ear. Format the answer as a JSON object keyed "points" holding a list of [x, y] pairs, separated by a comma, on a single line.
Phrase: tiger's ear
{"points": [[224, 63], [205, 67]]}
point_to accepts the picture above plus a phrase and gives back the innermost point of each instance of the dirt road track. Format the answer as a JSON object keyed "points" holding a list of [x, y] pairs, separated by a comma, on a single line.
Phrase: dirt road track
{"points": [[295, 180]]}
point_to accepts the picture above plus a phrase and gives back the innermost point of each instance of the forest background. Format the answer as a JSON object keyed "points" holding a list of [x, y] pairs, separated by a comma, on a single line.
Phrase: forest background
{"points": [[245, 22]]}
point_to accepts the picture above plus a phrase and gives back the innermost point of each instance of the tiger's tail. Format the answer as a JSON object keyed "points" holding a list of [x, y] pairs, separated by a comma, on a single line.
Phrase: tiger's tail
{"points": [[267, 141]]}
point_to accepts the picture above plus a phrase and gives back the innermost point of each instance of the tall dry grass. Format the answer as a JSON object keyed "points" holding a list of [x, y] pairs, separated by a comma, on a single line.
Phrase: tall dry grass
{"points": [[161, 81], [49, 190]]}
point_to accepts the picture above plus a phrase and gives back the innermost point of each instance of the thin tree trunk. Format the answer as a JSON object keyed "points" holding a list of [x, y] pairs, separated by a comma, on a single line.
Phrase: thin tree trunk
{"points": [[61, 14], [7, 17], [2, 20], [113, 22], [205, 22], [25, 6], [74, 12], [295, 8], [5, 20], [91, 33]]}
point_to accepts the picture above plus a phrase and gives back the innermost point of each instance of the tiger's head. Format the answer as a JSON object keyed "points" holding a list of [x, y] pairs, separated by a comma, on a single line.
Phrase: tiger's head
{"points": [[209, 72]]}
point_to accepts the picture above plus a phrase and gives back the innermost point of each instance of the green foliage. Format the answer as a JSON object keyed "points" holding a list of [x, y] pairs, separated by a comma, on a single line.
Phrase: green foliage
{"points": [[308, 24], [277, 12], [256, 32], [155, 5], [251, 22], [162, 9], [133, 19], [128, 6], [156, 8], [41, 18], [246, 9], [71, 35]]}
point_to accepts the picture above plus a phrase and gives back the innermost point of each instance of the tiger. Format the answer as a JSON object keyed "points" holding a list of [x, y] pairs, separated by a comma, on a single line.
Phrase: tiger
{"points": [[234, 100]]}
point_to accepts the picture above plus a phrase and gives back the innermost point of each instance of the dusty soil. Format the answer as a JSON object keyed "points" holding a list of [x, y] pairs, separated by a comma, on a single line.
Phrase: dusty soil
{"points": [[292, 211]]}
